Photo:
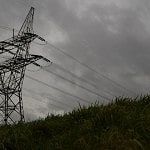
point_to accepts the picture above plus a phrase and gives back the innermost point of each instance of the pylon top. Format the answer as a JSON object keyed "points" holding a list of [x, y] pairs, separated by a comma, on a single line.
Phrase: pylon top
{"points": [[27, 26]]}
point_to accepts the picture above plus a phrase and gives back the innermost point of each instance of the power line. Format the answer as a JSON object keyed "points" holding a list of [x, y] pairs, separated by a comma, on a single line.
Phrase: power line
{"points": [[37, 99], [100, 74], [114, 82], [57, 89], [72, 82], [60, 50], [79, 78], [54, 99], [82, 79], [76, 77], [8, 28], [93, 70]]}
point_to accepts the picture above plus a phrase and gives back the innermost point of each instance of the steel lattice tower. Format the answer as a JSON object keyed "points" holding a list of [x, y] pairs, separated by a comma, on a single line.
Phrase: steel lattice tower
{"points": [[12, 70]]}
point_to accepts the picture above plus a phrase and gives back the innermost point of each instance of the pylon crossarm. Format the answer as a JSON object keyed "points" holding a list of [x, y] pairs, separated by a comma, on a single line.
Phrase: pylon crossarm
{"points": [[17, 63], [16, 42], [18, 39], [4, 50], [42, 58]]}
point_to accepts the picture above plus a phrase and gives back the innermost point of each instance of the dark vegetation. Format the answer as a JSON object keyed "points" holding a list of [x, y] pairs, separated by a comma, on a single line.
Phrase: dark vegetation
{"points": [[123, 124]]}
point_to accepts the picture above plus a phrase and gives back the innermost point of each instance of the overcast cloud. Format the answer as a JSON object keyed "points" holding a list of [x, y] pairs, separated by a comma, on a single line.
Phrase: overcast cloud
{"points": [[110, 36]]}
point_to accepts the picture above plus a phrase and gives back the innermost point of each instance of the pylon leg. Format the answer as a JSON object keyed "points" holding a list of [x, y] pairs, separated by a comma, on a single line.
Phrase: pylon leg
{"points": [[11, 104]]}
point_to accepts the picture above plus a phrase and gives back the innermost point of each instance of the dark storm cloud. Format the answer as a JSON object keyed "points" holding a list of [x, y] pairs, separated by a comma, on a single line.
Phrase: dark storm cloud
{"points": [[115, 34], [111, 36]]}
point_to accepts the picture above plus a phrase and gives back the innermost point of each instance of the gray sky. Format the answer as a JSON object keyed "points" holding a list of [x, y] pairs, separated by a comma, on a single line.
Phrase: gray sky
{"points": [[110, 36]]}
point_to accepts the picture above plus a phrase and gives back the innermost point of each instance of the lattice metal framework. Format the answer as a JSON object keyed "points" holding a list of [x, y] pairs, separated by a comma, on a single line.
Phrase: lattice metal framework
{"points": [[12, 70]]}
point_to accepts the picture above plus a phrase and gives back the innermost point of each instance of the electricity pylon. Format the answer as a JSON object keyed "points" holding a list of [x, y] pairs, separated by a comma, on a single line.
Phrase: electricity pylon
{"points": [[12, 70]]}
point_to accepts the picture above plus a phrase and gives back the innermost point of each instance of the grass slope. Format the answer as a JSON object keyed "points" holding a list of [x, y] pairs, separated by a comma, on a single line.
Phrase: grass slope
{"points": [[121, 125]]}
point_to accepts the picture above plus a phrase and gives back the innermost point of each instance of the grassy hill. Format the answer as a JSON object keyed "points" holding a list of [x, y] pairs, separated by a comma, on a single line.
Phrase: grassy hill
{"points": [[123, 124]]}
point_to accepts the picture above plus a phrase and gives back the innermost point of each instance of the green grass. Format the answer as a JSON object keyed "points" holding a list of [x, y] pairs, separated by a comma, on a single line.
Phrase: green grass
{"points": [[123, 124]]}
